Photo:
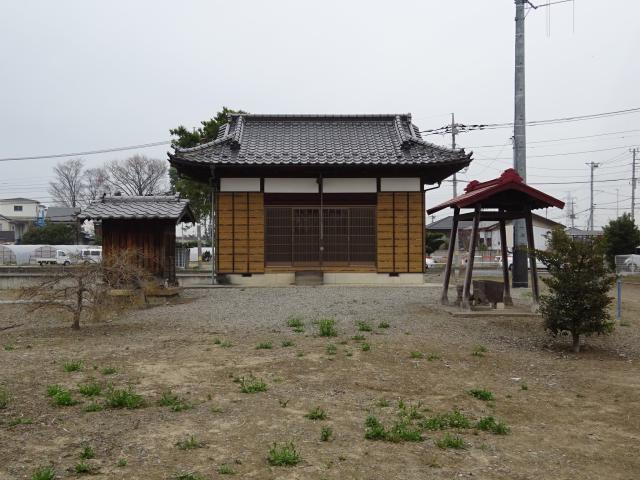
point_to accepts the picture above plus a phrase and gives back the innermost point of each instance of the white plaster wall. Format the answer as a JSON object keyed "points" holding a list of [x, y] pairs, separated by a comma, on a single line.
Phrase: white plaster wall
{"points": [[228, 184], [291, 185], [400, 184], [349, 185]]}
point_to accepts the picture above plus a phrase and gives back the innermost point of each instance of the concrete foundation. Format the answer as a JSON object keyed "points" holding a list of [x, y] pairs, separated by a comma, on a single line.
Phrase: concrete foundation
{"points": [[288, 278]]}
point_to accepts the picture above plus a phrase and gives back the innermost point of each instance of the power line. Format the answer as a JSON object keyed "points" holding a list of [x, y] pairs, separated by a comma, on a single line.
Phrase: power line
{"points": [[562, 139], [88, 152], [534, 123]]}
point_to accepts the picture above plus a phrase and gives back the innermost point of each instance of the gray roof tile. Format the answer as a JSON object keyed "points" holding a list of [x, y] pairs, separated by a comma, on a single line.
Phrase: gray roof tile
{"points": [[320, 139], [139, 208]]}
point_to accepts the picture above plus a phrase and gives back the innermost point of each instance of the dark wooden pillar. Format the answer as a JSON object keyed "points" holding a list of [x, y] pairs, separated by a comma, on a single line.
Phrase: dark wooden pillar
{"points": [[466, 289], [532, 258], [444, 300], [505, 263]]}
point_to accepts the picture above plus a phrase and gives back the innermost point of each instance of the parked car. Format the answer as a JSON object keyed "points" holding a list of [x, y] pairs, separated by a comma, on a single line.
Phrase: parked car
{"points": [[60, 258], [91, 255], [429, 262], [539, 264], [632, 264]]}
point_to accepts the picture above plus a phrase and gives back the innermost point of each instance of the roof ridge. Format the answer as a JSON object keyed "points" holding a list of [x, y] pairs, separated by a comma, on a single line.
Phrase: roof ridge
{"points": [[321, 115]]}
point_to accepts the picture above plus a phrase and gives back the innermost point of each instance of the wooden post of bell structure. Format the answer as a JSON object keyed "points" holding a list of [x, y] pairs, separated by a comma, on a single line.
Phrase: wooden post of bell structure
{"points": [[505, 263], [444, 300], [532, 257], [466, 289]]}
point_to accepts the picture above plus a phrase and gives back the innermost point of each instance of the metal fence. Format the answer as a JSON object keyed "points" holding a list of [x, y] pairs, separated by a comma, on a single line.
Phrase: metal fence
{"points": [[627, 264]]}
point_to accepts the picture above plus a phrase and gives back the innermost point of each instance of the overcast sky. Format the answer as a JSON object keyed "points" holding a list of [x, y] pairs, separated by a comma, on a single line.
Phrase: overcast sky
{"points": [[82, 75]]}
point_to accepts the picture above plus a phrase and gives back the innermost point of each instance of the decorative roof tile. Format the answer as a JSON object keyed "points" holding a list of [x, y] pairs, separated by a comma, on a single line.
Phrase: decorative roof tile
{"points": [[320, 139], [166, 207]]}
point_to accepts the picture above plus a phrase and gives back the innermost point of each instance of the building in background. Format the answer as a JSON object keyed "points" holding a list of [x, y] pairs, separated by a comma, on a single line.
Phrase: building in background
{"points": [[19, 215]]}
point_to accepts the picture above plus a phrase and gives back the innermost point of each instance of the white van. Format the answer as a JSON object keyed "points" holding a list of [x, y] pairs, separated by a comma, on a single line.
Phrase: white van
{"points": [[91, 255]]}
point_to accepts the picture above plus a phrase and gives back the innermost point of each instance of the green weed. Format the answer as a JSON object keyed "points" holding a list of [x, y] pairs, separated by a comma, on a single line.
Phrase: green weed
{"points": [[226, 469], [331, 349], [189, 443], [9, 347], [264, 346], [109, 370], [44, 473], [287, 343], [450, 441], [20, 421], [83, 467], [174, 402], [325, 434], [252, 385], [416, 355], [524, 386], [365, 347], [383, 325], [122, 462], [91, 389], [316, 414], [402, 431], [491, 425], [226, 344], [374, 430], [327, 328], [479, 351], [453, 419], [72, 366], [93, 407], [87, 453], [4, 398], [53, 390], [433, 356], [283, 455], [363, 326], [217, 341], [63, 398], [383, 402], [481, 394], [358, 338], [121, 398]]}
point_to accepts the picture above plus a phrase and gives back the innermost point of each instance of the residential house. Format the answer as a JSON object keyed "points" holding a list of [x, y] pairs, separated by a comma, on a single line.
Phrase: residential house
{"points": [[338, 196], [579, 234], [19, 214]]}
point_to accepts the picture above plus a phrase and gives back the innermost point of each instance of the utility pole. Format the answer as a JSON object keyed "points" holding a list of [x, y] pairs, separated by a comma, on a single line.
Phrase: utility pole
{"points": [[633, 184], [520, 276], [593, 166], [454, 130]]}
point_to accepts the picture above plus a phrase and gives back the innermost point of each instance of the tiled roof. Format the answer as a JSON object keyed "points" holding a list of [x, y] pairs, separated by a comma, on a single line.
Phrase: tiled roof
{"points": [[506, 191], [18, 200], [320, 139], [62, 214], [139, 208]]}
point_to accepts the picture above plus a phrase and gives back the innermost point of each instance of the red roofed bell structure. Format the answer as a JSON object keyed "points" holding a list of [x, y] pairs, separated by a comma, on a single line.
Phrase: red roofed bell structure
{"points": [[504, 198]]}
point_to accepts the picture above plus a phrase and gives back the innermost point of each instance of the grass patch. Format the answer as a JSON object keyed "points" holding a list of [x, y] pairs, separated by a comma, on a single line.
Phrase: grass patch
{"points": [[316, 414], [20, 421], [283, 455], [331, 349], [63, 398], [479, 351], [481, 394], [44, 473], [489, 424], [411, 412], [296, 324], [189, 443], [327, 328], [87, 453], [4, 398], [9, 347], [433, 356], [123, 398], [109, 370], [264, 346], [174, 402], [287, 343], [453, 419], [122, 462], [451, 441], [252, 385], [364, 326], [91, 389], [188, 476], [93, 407], [83, 467], [365, 347], [358, 338], [383, 402], [226, 469], [403, 432], [524, 386], [73, 366], [226, 344], [325, 434], [383, 325], [416, 355]]}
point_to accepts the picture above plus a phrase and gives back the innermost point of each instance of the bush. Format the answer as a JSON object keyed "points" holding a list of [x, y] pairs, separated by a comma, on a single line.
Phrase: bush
{"points": [[579, 283]]}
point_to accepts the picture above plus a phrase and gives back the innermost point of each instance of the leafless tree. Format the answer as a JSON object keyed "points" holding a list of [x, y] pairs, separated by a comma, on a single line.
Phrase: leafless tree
{"points": [[66, 188], [137, 175], [82, 288], [95, 183]]}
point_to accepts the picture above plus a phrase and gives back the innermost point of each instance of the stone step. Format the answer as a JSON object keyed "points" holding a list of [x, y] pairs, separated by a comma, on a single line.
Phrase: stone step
{"points": [[309, 277]]}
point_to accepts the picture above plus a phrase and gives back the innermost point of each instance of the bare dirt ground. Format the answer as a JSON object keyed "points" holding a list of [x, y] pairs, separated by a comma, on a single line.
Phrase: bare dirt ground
{"points": [[570, 416]]}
